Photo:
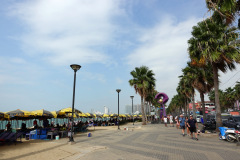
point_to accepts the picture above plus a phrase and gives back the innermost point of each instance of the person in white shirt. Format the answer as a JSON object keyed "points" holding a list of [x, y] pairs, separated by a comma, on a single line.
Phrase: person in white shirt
{"points": [[165, 121], [171, 121]]}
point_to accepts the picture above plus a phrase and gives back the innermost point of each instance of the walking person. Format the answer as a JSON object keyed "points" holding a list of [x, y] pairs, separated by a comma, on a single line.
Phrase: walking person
{"points": [[177, 122], [171, 121], [182, 124], [192, 124], [188, 131], [165, 121]]}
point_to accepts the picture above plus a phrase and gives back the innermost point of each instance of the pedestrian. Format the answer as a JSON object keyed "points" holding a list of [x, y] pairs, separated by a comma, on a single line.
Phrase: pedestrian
{"points": [[165, 121], [35, 124], [188, 131], [177, 122], [8, 126], [182, 124], [192, 124], [171, 121]]}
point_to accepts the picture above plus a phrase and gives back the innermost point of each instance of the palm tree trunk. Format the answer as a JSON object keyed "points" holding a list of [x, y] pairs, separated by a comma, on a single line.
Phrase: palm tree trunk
{"points": [[217, 102], [203, 107], [185, 108], [143, 113], [194, 107], [149, 108]]}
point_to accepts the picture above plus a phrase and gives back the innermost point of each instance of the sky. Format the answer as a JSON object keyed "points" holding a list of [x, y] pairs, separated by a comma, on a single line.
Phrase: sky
{"points": [[40, 39]]}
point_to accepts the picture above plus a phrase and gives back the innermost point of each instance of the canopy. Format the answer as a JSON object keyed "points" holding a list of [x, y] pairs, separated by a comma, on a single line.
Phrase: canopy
{"points": [[67, 110], [3, 116], [18, 114], [42, 113], [54, 113], [82, 115], [89, 114], [105, 115], [113, 115]]}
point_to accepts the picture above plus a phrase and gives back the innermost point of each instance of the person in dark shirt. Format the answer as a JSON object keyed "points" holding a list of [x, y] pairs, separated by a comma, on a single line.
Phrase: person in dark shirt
{"points": [[192, 124]]}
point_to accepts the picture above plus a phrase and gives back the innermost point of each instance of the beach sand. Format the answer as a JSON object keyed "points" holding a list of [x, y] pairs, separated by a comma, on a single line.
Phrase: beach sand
{"points": [[52, 149]]}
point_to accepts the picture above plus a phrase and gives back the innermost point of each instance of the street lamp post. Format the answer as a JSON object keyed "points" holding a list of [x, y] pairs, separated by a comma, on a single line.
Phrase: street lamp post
{"points": [[118, 90], [132, 108], [75, 67]]}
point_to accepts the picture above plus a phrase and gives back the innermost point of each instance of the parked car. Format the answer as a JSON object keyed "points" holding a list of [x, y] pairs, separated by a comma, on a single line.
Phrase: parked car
{"points": [[225, 117], [233, 122], [199, 118]]}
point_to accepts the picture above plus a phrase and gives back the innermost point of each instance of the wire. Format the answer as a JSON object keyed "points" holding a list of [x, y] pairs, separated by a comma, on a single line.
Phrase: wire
{"points": [[235, 82], [230, 79]]}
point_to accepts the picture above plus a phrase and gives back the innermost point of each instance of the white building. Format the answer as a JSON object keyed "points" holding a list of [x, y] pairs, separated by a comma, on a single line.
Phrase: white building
{"points": [[106, 110]]}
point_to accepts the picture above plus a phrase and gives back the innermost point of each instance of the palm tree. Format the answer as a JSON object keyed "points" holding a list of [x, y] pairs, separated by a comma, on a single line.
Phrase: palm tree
{"points": [[224, 11], [185, 88], [237, 91], [210, 45], [201, 79], [143, 81]]}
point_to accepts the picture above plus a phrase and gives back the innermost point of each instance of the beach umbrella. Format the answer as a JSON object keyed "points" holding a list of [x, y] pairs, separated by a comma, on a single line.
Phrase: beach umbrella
{"points": [[89, 114], [3, 116], [67, 110], [113, 115], [54, 113], [82, 115], [105, 115], [18, 114], [42, 113]]}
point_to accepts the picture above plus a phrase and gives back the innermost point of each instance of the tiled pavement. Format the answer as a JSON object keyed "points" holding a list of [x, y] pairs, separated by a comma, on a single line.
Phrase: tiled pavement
{"points": [[150, 142], [157, 142]]}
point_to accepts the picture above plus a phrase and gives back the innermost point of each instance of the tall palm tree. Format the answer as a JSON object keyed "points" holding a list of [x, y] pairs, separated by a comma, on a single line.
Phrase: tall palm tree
{"points": [[185, 87], [201, 79], [224, 11], [210, 45], [237, 91], [143, 81]]}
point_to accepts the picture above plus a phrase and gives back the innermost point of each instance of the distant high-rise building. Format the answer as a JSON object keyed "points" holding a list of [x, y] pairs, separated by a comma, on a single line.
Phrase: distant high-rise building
{"points": [[106, 110], [128, 108]]}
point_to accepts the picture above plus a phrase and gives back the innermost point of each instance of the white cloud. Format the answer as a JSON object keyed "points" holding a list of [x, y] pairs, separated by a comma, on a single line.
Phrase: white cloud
{"points": [[64, 32], [164, 50]]}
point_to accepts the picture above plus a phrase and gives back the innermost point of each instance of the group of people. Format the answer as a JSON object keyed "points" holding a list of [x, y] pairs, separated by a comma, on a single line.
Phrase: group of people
{"points": [[184, 123], [189, 124]]}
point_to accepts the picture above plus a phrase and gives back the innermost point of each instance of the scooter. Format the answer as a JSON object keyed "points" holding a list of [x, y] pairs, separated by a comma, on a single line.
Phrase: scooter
{"points": [[230, 134]]}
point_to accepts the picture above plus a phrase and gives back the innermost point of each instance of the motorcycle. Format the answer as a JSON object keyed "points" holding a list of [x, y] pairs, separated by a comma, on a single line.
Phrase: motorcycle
{"points": [[230, 134], [210, 125]]}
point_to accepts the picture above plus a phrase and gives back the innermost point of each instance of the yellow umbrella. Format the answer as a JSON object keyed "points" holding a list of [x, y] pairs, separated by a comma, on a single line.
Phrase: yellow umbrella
{"points": [[18, 114], [82, 115], [54, 113], [75, 115], [4, 116], [67, 110], [89, 114], [42, 113], [105, 115], [113, 115], [122, 115]]}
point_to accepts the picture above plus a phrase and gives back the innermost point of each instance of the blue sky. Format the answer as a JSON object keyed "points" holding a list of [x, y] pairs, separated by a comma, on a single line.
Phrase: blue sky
{"points": [[108, 38]]}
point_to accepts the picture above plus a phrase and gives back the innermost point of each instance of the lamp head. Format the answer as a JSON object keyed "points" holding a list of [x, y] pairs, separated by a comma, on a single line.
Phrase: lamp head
{"points": [[131, 97], [118, 90], [75, 67]]}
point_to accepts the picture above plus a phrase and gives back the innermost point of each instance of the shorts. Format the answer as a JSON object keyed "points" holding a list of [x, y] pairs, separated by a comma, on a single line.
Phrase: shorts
{"points": [[192, 129], [182, 127]]}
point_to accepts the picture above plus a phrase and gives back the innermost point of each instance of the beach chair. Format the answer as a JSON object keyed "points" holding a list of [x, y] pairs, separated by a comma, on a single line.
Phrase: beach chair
{"points": [[5, 134], [17, 135]]}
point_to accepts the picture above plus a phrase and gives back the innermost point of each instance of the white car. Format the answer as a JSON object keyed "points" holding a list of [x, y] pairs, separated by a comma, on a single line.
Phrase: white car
{"points": [[199, 118]]}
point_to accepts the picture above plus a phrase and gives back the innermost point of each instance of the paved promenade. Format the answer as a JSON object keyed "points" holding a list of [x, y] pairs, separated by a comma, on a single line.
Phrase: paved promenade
{"points": [[151, 142]]}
